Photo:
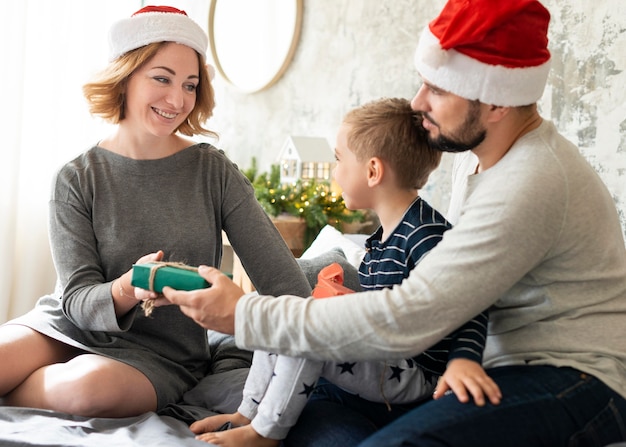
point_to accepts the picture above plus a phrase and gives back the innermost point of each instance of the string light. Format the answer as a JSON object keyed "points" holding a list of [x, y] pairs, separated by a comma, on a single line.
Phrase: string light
{"points": [[311, 200]]}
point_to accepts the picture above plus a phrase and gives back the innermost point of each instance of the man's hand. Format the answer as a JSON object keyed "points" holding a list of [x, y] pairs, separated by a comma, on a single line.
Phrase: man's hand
{"points": [[213, 307]]}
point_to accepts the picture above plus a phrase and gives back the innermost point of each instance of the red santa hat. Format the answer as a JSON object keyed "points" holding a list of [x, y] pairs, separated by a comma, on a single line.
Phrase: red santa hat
{"points": [[156, 24], [494, 51]]}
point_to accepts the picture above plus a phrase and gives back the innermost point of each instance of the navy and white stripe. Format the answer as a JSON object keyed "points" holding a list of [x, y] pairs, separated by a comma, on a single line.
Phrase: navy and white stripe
{"points": [[387, 263]]}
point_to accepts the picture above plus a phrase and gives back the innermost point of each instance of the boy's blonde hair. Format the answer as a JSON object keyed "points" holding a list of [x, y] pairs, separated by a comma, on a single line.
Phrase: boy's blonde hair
{"points": [[106, 93], [389, 129]]}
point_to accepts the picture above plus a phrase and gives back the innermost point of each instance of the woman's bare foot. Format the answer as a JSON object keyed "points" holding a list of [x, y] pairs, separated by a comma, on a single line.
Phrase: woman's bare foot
{"points": [[212, 423], [237, 437]]}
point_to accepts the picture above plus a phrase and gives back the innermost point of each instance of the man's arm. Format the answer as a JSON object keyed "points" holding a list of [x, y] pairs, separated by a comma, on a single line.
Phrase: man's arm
{"points": [[495, 243]]}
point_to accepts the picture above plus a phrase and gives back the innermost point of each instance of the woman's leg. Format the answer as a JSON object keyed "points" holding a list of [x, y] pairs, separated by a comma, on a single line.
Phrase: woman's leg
{"points": [[40, 372], [87, 385], [23, 351]]}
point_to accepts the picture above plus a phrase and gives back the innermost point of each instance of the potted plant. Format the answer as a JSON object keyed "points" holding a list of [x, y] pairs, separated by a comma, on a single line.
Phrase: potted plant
{"points": [[310, 203]]}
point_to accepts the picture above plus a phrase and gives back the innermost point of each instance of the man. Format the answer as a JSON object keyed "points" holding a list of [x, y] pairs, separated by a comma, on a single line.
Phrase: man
{"points": [[537, 240]]}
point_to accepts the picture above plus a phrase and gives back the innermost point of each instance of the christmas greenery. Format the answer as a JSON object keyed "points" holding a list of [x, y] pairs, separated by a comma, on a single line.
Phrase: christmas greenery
{"points": [[311, 200]]}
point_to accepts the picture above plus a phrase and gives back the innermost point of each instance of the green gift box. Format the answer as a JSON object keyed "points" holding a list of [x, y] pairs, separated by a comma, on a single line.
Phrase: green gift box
{"points": [[156, 275]]}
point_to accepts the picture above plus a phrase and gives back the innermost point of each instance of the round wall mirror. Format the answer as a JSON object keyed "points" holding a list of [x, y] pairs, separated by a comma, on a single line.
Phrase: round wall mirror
{"points": [[253, 41]]}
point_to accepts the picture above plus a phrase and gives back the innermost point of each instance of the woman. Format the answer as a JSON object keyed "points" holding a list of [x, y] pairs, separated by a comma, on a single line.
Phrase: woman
{"points": [[144, 193]]}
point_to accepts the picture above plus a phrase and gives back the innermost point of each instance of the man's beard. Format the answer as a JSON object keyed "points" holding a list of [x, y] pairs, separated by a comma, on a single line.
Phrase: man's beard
{"points": [[466, 138]]}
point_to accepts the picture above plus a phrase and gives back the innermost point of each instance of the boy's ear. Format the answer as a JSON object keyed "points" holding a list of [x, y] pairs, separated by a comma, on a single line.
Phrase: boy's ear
{"points": [[375, 171]]}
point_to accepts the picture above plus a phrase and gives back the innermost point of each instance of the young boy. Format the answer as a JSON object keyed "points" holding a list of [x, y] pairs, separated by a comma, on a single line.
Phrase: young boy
{"points": [[383, 160]]}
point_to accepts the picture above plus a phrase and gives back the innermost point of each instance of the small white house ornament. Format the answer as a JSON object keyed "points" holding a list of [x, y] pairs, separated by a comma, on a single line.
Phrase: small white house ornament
{"points": [[305, 158]]}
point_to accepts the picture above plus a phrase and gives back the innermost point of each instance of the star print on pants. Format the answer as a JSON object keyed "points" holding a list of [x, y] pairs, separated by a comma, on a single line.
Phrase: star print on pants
{"points": [[395, 373], [429, 376], [308, 389], [346, 367]]}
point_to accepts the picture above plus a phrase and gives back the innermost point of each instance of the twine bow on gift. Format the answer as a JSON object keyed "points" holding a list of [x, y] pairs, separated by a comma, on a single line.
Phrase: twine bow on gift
{"points": [[148, 305]]}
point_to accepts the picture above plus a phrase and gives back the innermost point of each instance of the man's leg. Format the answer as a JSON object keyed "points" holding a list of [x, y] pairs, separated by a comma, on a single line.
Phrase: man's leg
{"points": [[541, 406], [336, 418]]}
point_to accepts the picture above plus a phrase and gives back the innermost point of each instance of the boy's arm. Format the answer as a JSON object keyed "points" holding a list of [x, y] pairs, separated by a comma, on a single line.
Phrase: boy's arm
{"points": [[467, 342], [464, 374]]}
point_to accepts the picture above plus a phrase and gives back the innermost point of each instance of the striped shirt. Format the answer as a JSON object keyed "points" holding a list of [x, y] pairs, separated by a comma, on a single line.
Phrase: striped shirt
{"points": [[387, 263]]}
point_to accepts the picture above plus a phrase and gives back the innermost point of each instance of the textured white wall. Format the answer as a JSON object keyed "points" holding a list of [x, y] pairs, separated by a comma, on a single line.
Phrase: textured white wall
{"points": [[586, 95], [352, 51]]}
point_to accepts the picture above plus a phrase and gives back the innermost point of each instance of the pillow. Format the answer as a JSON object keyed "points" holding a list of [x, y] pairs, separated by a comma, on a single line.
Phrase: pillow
{"points": [[328, 238], [312, 266]]}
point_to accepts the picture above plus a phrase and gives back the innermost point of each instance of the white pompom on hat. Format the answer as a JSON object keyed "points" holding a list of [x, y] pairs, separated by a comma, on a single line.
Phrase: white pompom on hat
{"points": [[156, 24], [494, 51]]}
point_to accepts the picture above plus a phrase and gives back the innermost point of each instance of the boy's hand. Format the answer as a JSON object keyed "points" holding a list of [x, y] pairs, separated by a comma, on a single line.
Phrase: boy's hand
{"points": [[463, 376]]}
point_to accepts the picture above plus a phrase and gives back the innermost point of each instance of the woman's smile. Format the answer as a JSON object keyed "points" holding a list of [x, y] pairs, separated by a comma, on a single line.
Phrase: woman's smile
{"points": [[164, 114]]}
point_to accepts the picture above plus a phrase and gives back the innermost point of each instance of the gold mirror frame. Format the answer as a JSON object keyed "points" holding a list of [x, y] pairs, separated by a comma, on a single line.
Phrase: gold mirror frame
{"points": [[282, 62]]}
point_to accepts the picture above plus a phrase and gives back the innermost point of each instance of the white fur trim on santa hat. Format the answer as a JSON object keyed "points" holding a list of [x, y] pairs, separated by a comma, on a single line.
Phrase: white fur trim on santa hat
{"points": [[149, 27], [472, 79]]}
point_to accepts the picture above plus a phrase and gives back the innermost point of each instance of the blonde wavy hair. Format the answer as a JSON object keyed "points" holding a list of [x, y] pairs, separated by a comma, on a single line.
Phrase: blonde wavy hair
{"points": [[106, 93]]}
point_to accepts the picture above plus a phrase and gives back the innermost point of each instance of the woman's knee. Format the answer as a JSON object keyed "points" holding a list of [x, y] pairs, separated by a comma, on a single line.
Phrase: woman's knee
{"points": [[26, 351], [100, 386], [57, 387], [87, 385]]}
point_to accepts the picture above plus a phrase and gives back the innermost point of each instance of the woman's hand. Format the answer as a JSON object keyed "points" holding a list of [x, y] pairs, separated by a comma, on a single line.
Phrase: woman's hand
{"points": [[125, 296], [143, 294]]}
